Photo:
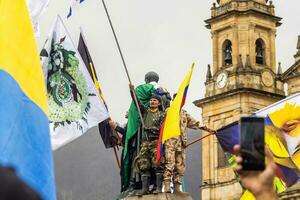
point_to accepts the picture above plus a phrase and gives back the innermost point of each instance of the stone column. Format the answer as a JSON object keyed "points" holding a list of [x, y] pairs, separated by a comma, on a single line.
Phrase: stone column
{"points": [[207, 154], [272, 64], [235, 44], [252, 43], [216, 64]]}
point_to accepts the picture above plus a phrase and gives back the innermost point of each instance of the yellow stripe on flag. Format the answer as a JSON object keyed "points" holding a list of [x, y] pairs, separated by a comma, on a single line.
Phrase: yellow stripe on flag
{"points": [[172, 121], [18, 51], [247, 196]]}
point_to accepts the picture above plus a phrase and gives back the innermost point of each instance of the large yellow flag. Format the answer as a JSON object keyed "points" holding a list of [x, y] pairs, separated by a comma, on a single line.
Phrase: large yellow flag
{"points": [[25, 137], [19, 55], [171, 125], [172, 122]]}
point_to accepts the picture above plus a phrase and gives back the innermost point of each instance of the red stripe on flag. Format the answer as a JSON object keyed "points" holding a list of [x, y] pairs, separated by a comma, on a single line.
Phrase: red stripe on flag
{"points": [[184, 95], [159, 150]]}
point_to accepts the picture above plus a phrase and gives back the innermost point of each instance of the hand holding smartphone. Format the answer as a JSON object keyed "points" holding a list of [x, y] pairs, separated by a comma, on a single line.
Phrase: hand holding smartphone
{"points": [[252, 141]]}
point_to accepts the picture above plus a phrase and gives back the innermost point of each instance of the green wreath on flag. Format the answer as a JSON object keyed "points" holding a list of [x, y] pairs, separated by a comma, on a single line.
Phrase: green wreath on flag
{"points": [[67, 89]]}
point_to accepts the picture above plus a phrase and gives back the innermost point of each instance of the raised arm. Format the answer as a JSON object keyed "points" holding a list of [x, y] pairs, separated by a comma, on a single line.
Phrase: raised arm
{"points": [[140, 105], [192, 122], [195, 124]]}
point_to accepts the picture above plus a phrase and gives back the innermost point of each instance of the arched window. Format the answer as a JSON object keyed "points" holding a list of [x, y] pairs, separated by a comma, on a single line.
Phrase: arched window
{"points": [[227, 53], [260, 52]]}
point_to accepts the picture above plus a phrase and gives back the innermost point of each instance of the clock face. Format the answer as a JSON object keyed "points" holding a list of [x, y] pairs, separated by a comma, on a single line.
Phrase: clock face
{"points": [[221, 80], [267, 78]]}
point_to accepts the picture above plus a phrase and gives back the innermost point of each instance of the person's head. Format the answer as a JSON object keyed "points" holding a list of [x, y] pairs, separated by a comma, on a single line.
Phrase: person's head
{"points": [[155, 101], [151, 76], [126, 115]]}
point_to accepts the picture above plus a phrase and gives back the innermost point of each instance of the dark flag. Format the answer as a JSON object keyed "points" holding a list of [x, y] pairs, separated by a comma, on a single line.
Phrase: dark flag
{"points": [[106, 132], [86, 57]]}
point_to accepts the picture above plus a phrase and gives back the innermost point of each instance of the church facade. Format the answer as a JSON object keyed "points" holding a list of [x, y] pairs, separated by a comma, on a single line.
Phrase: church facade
{"points": [[243, 78]]}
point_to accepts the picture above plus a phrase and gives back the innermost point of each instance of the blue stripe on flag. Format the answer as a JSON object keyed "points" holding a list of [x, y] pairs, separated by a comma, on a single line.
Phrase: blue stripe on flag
{"points": [[229, 136], [25, 138], [186, 91]]}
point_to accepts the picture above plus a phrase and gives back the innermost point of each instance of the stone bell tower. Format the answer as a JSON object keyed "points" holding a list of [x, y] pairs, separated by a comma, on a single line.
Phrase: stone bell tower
{"points": [[243, 78]]}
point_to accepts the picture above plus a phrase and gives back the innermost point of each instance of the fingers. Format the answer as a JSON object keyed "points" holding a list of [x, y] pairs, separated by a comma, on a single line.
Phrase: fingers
{"points": [[236, 149], [131, 87], [238, 160], [112, 124]]}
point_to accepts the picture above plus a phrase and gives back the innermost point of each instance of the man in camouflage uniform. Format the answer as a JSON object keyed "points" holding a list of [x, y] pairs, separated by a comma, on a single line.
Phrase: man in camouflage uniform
{"points": [[146, 159], [175, 154]]}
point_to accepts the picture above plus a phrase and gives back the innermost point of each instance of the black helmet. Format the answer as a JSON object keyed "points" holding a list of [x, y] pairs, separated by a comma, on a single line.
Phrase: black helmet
{"points": [[151, 76]]}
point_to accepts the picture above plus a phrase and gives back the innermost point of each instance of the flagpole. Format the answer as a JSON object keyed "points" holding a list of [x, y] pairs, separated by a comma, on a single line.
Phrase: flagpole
{"points": [[199, 139], [123, 60]]}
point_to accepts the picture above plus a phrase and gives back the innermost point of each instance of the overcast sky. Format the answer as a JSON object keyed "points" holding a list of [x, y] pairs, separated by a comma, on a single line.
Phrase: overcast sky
{"points": [[165, 36]]}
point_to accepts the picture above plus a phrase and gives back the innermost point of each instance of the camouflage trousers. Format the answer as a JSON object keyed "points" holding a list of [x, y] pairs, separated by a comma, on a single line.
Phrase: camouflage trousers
{"points": [[146, 159], [174, 160]]}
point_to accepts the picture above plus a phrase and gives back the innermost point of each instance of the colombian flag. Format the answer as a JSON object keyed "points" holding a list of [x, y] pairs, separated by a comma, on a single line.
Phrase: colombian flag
{"points": [[171, 125], [24, 127]]}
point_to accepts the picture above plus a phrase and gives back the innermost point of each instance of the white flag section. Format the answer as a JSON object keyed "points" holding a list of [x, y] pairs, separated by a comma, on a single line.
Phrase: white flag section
{"points": [[36, 9], [74, 104]]}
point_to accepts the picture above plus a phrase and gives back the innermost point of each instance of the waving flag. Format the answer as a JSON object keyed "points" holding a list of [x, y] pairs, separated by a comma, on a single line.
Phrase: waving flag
{"points": [[36, 9], [75, 4], [282, 135], [25, 138], [74, 103], [171, 125], [105, 130]]}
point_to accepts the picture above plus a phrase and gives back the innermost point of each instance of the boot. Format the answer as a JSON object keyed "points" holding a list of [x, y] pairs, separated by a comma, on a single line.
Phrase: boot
{"points": [[167, 187], [145, 185], [159, 180], [178, 191], [131, 189]]}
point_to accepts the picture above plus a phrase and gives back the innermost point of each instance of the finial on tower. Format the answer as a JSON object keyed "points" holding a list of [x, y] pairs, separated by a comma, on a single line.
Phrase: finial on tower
{"points": [[298, 43], [208, 73], [297, 56], [279, 70]]}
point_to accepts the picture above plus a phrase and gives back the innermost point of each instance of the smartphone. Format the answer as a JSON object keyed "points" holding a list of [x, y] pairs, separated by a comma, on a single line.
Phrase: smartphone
{"points": [[252, 141]]}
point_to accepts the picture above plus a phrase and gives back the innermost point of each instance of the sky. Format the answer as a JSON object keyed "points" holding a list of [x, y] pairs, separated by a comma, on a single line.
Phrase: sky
{"points": [[162, 36]]}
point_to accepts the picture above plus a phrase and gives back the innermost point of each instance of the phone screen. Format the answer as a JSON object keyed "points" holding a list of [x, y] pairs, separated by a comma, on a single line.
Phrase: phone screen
{"points": [[252, 136]]}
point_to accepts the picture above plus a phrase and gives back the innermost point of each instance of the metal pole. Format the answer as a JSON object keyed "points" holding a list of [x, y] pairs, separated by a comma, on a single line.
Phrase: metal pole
{"points": [[117, 158], [123, 60], [199, 139]]}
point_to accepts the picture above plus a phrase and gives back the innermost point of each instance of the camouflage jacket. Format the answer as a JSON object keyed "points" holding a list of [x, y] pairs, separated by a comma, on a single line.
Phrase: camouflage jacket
{"points": [[153, 122], [187, 121]]}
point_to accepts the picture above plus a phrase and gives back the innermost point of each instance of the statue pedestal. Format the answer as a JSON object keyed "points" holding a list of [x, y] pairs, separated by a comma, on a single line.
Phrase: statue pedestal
{"points": [[161, 196]]}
